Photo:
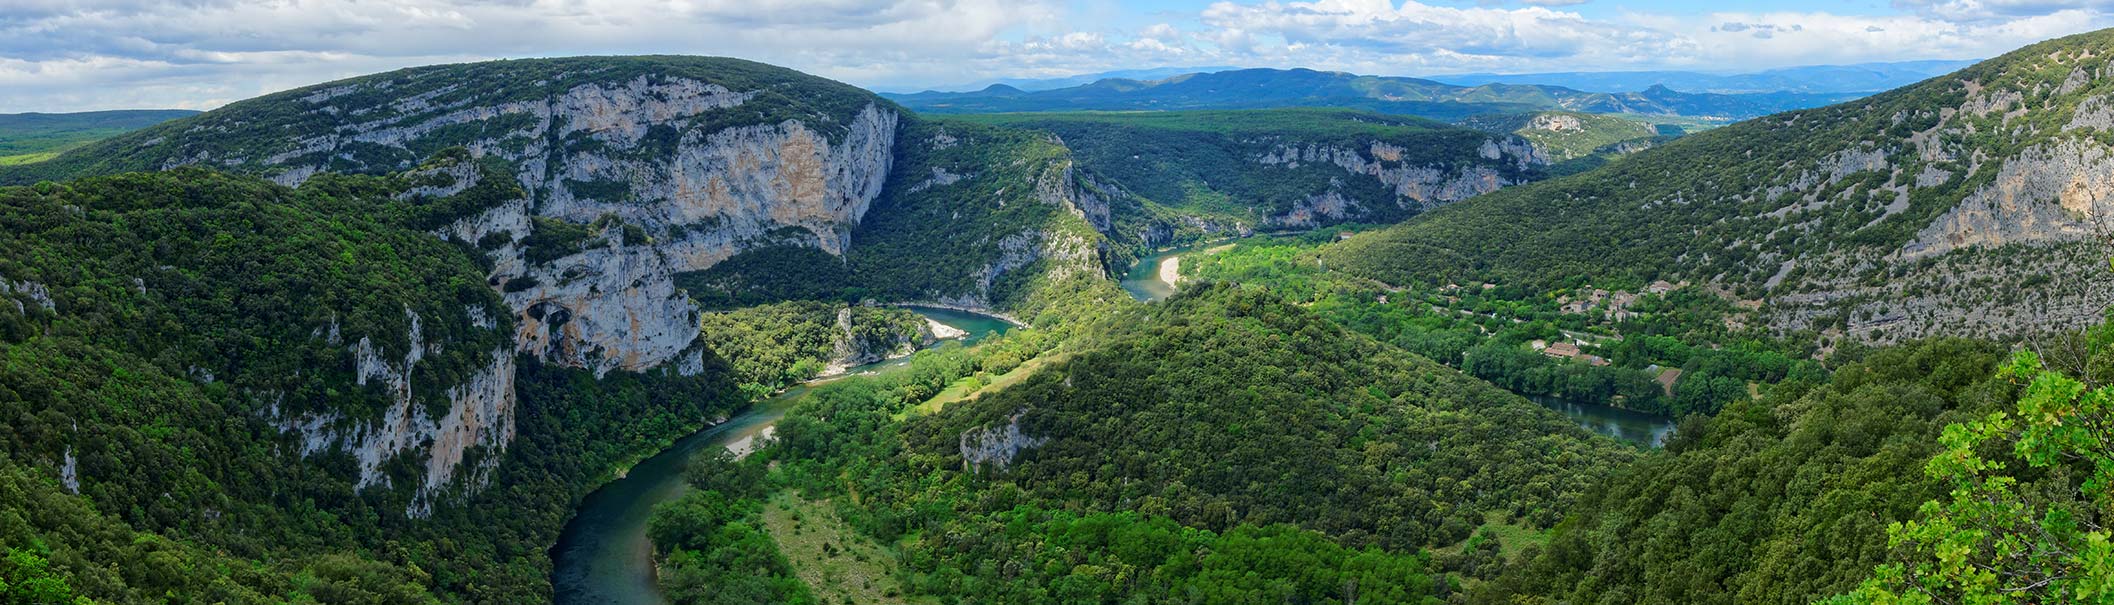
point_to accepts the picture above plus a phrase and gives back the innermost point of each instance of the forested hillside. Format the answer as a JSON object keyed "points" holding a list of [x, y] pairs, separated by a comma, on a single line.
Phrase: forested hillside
{"points": [[203, 359], [1964, 205], [1780, 500], [1290, 168], [374, 340], [1224, 446], [1931, 472]]}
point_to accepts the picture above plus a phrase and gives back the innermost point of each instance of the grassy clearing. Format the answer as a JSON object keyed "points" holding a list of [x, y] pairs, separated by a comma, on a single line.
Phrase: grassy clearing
{"points": [[26, 158], [836, 562], [974, 386], [1512, 537]]}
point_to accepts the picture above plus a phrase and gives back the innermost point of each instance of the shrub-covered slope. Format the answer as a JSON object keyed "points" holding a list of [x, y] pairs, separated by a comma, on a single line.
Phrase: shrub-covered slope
{"points": [[1961, 205], [1222, 446], [1225, 406]]}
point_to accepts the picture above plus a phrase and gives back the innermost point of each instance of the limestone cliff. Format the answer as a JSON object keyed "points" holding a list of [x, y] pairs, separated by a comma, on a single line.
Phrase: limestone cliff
{"points": [[692, 160], [480, 413], [1415, 185], [996, 446]]}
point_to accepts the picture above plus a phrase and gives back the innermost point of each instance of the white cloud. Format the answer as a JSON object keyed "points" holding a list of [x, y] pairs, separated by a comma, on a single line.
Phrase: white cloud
{"points": [[63, 55], [1985, 10]]}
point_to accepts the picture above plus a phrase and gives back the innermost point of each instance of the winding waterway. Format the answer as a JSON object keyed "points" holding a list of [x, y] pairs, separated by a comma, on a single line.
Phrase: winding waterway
{"points": [[603, 556], [1144, 280]]}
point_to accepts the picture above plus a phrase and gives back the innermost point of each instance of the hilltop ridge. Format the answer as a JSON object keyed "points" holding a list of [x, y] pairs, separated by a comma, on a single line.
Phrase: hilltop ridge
{"points": [[1970, 204]]}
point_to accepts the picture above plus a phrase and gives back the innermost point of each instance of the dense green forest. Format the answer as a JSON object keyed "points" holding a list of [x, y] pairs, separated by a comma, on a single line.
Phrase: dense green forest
{"points": [[215, 388], [1350, 458], [1329, 430], [775, 345], [1780, 500], [159, 328], [1808, 493]]}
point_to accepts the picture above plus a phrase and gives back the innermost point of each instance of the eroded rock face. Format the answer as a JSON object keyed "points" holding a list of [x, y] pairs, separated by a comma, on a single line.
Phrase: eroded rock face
{"points": [[1415, 185], [1556, 122], [2053, 193], [996, 446], [480, 414], [680, 164]]}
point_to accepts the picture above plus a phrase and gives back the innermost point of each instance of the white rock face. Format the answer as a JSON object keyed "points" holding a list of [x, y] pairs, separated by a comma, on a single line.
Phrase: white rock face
{"points": [[934, 330], [643, 155], [996, 446], [70, 472], [1424, 186], [36, 293], [2054, 193], [480, 413], [1556, 122]]}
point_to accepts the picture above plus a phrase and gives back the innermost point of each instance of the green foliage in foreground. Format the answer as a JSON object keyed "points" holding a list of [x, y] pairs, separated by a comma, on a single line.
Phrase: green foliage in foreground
{"points": [[1780, 500], [2031, 493]]}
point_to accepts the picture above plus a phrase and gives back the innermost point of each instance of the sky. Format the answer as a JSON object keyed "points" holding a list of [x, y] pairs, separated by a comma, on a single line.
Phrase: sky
{"points": [[78, 55]]}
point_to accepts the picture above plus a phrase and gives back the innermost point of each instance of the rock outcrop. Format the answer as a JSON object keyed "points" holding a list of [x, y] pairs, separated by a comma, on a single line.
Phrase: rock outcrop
{"points": [[480, 414], [2053, 193], [1421, 186], [696, 160], [996, 446]]}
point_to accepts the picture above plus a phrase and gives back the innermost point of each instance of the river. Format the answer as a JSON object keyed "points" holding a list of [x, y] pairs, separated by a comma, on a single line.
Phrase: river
{"points": [[1635, 427], [1144, 281], [603, 556]]}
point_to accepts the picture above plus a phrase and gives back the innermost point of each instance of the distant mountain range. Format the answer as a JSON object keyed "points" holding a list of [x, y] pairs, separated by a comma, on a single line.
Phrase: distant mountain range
{"points": [[1032, 84], [1262, 88], [1862, 77]]}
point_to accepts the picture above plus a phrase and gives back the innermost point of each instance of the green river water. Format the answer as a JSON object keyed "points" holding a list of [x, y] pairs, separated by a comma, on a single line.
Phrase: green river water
{"points": [[603, 556]]}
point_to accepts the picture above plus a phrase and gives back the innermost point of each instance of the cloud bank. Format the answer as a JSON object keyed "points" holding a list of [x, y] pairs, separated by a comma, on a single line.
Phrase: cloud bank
{"points": [[73, 55]]}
